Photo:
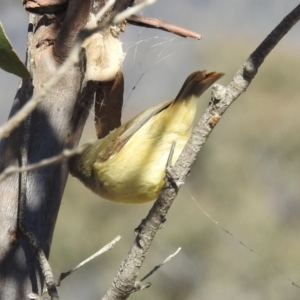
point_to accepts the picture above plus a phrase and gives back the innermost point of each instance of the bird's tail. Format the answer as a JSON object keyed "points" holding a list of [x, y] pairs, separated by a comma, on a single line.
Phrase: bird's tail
{"points": [[196, 84]]}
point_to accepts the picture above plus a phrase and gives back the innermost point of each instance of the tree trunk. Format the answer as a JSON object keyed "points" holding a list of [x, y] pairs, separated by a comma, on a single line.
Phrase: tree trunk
{"points": [[56, 124]]}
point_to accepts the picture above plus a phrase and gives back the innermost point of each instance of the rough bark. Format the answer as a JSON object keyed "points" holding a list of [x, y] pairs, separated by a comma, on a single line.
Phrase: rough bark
{"points": [[56, 124]]}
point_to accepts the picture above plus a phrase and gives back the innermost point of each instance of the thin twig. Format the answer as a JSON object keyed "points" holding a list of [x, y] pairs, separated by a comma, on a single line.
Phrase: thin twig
{"points": [[101, 251], [132, 10], [72, 59], [104, 9], [160, 265], [45, 162], [33, 296], [40, 255], [143, 21]]}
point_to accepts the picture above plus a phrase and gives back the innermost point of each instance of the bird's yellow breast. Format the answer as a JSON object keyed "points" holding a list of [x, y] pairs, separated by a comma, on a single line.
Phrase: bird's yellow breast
{"points": [[139, 167]]}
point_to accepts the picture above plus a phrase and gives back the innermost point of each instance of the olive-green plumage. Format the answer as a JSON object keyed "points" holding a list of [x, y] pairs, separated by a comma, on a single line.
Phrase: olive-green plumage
{"points": [[128, 165]]}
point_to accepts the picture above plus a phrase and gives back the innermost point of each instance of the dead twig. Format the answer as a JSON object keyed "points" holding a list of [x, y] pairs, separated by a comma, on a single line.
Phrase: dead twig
{"points": [[104, 249], [163, 25], [43, 163], [161, 264]]}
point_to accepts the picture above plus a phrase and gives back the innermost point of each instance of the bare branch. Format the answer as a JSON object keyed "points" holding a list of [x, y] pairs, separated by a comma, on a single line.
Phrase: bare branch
{"points": [[33, 296], [132, 10], [40, 255], [104, 9], [101, 251], [222, 98], [138, 286], [161, 24], [161, 264], [124, 282], [45, 162]]}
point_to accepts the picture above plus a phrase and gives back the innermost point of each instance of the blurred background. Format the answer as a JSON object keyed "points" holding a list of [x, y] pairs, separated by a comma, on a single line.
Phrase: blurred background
{"points": [[246, 178]]}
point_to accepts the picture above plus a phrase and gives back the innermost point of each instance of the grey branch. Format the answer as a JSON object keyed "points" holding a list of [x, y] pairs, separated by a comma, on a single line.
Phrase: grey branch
{"points": [[124, 282], [161, 264], [40, 254], [101, 251], [45, 162]]}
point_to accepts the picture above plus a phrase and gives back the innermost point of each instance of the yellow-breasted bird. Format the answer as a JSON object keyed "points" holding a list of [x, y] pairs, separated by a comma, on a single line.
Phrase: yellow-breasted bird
{"points": [[128, 165]]}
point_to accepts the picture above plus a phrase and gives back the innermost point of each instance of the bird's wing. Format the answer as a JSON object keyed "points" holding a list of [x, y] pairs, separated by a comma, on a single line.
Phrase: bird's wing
{"points": [[135, 124], [124, 133]]}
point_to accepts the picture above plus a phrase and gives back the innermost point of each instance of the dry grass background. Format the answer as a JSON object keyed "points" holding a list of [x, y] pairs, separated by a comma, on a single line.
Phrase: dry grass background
{"points": [[246, 177]]}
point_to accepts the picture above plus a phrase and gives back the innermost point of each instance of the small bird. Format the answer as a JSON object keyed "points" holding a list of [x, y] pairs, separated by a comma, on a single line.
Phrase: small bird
{"points": [[129, 164]]}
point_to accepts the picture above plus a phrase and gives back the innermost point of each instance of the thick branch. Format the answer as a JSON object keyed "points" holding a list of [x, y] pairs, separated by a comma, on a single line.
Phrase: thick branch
{"points": [[124, 282], [223, 98]]}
